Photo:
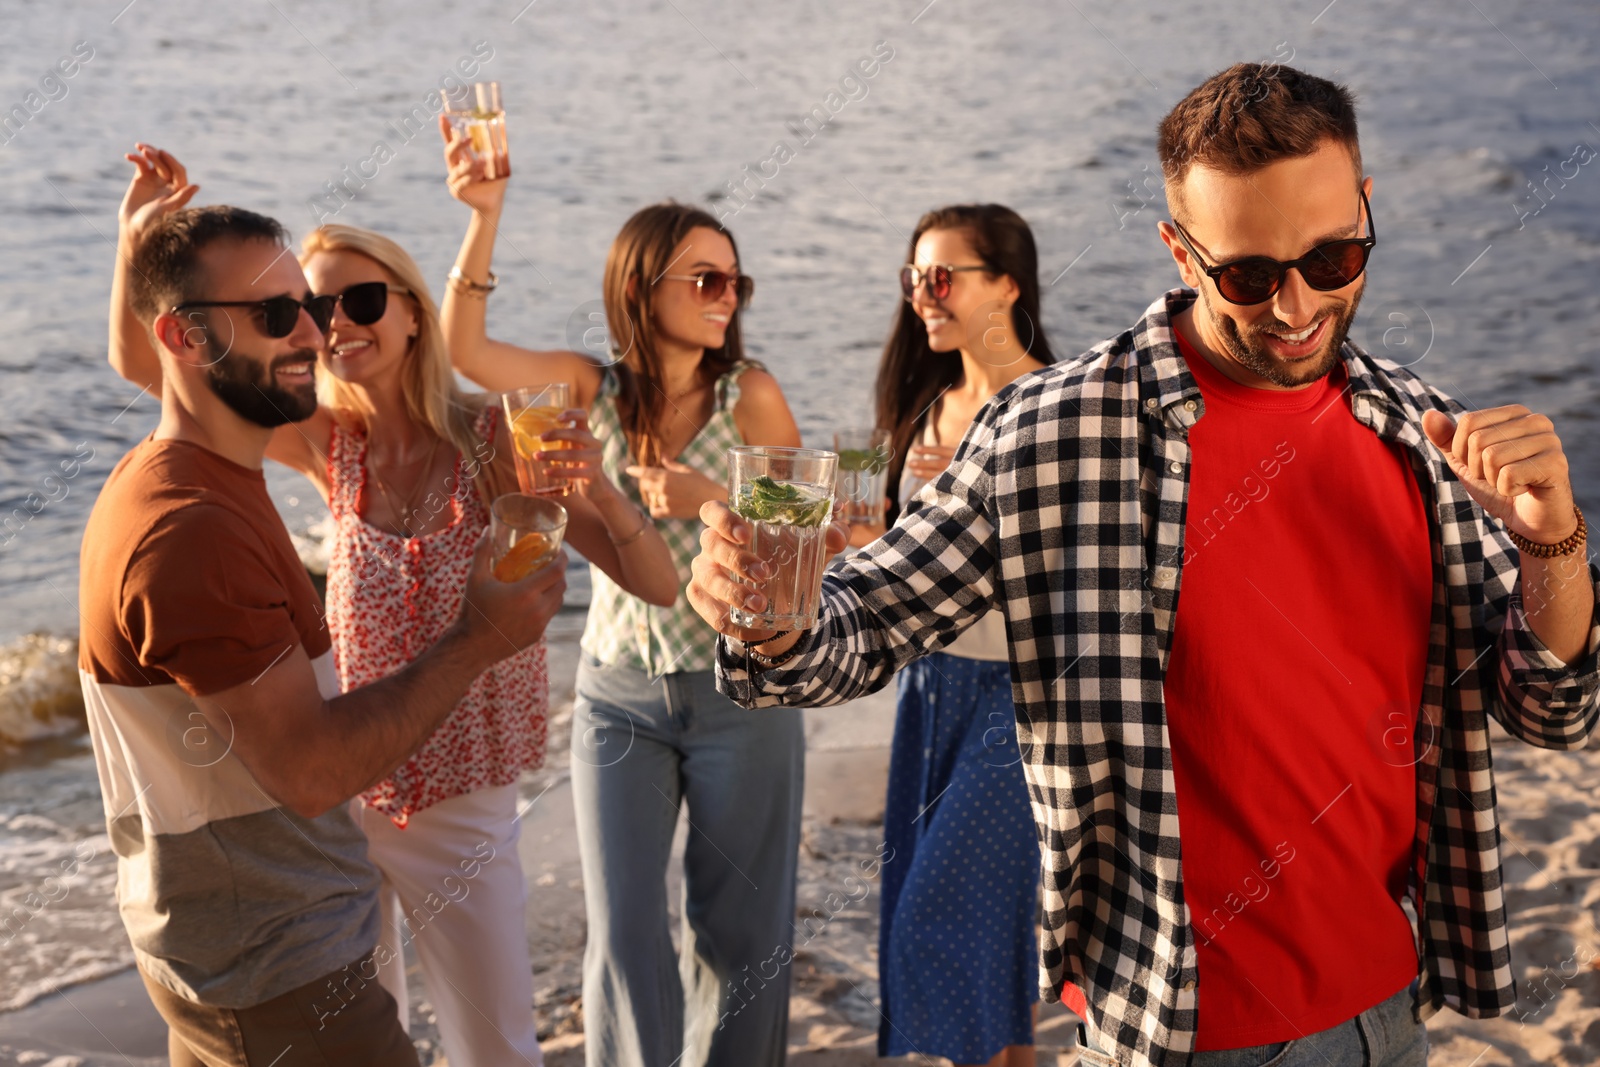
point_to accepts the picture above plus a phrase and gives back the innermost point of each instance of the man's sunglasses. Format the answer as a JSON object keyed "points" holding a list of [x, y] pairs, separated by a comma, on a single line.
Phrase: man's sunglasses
{"points": [[711, 284], [278, 313], [364, 304], [1254, 279], [938, 278]]}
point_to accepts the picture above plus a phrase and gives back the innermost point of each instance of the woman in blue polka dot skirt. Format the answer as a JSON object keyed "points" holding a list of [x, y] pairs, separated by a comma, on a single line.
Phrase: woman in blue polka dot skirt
{"points": [[958, 959]]}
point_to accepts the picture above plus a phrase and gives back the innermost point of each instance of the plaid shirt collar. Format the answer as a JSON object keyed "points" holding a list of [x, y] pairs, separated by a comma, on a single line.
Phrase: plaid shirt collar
{"points": [[1064, 509]]}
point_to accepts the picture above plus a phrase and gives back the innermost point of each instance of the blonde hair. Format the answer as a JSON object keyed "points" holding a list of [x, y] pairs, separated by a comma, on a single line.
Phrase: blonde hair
{"points": [[432, 397]]}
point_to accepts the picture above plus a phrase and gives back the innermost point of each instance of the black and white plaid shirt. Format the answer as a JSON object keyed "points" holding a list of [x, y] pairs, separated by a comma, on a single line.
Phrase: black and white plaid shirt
{"points": [[1064, 510]]}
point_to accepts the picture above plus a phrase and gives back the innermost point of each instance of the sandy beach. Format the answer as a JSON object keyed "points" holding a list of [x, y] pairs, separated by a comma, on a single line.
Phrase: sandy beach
{"points": [[1470, 113], [1549, 824], [833, 1009]]}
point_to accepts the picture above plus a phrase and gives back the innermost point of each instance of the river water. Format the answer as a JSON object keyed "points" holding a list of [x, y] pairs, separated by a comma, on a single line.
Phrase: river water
{"points": [[1486, 285]]}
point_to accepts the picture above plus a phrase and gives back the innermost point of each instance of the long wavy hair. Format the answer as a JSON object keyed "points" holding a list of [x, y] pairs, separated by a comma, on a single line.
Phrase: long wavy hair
{"points": [[911, 375], [428, 382], [640, 255]]}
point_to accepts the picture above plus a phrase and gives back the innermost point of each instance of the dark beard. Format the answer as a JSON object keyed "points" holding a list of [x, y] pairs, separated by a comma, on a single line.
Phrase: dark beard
{"points": [[254, 394], [1254, 355]]}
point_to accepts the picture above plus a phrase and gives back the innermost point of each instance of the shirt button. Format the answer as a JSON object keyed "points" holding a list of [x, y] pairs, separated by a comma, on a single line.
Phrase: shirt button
{"points": [[1189, 405], [1152, 403], [1176, 468], [1165, 574], [1188, 987]]}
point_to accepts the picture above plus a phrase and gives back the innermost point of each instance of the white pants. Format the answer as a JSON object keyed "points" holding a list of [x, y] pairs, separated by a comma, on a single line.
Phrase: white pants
{"points": [[453, 888]]}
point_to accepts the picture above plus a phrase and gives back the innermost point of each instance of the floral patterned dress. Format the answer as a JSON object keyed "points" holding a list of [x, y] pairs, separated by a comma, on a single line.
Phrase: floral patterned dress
{"points": [[389, 598]]}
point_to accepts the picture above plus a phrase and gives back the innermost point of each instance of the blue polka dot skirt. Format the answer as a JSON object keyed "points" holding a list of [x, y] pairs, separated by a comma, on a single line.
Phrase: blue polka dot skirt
{"points": [[957, 954]]}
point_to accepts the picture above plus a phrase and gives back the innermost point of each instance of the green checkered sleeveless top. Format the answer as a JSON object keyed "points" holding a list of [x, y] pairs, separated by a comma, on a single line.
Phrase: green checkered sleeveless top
{"points": [[622, 630]]}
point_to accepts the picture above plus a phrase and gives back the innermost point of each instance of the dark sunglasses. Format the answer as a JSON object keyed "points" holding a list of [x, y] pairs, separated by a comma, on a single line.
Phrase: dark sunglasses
{"points": [[278, 313], [711, 284], [938, 278], [1254, 279], [365, 302]]}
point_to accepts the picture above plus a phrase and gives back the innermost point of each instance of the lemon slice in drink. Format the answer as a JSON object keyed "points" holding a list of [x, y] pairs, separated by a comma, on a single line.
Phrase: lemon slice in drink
{"points": [[529, 424], [531, 551]]}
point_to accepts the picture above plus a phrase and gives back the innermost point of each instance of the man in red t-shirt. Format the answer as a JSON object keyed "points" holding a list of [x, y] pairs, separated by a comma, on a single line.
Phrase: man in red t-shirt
{"points": [[1301, 637], [226, 753], [1263, 592]]}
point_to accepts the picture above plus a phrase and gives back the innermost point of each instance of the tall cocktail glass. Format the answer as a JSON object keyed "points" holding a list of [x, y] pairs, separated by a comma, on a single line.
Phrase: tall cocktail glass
{"points": [[529, 413], [786, 495], [480, 115], [863, 471]]}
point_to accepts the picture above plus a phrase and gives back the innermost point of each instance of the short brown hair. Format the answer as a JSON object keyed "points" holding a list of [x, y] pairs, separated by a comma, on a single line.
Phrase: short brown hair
{"points": [[166, 264], [1252, 115]]}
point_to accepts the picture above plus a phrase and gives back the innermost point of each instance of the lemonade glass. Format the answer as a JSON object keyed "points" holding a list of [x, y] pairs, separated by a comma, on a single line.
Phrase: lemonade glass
{"points": [[529, 413], [526, 533]]}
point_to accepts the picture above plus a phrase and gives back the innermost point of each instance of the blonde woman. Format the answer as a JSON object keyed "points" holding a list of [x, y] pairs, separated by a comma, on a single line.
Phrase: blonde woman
{"points": [[650, 732], [407, 464]]}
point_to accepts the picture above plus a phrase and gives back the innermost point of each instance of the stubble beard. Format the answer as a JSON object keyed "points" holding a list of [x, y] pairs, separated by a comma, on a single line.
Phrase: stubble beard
{"points": [[1254, 355]]}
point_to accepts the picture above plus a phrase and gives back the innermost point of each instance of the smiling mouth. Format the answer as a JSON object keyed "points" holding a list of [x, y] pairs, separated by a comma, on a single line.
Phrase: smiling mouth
{"points": [[1300, 343], [295, 370], [716, 317], [933, 322], [345, 348]]}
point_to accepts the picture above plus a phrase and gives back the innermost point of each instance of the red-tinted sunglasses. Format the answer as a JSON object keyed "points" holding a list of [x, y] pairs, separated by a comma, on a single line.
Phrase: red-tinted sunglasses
{"points": [[937, 277], [711, 284]]}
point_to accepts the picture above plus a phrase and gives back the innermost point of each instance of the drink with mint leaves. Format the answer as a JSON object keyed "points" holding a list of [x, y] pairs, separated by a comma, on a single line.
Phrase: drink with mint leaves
{"points": [[863, 472], [786, 495]]}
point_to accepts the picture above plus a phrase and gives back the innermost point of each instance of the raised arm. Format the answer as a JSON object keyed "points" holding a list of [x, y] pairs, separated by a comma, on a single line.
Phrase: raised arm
{"points": [[491, 364], [159, 187]]}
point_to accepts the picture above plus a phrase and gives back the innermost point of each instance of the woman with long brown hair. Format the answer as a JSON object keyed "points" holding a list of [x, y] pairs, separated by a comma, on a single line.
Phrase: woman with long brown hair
{"points": [[408, 464], [650, 732], [957, 961]]}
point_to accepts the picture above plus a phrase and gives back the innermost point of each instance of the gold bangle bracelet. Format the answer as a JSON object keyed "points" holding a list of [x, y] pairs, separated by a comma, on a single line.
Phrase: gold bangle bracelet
{"points": [[459, 278], [624, 542], [465, 289]]}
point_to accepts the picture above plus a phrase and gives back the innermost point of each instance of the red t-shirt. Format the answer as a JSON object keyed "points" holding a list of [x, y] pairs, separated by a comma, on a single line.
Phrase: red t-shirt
{"points": [[1296, 673]]}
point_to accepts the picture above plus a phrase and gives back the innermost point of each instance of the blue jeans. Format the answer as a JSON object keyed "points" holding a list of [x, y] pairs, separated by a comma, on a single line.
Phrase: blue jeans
{"points": [[1385, 1035], [642, 747]]}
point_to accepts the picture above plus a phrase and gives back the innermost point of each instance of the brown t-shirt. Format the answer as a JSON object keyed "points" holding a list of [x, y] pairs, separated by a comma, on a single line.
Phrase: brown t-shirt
{"points": [[191, 586]]}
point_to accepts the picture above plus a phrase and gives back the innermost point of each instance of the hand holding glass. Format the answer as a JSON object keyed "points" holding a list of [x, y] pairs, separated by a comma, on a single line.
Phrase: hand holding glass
{"points": [[786, 497], [526, 534], [482, 119], [529, 413]]}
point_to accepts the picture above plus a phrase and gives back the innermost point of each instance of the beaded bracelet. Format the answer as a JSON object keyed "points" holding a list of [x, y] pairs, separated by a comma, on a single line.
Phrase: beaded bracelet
{"points": [[766, 662], [1564, 547]]}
